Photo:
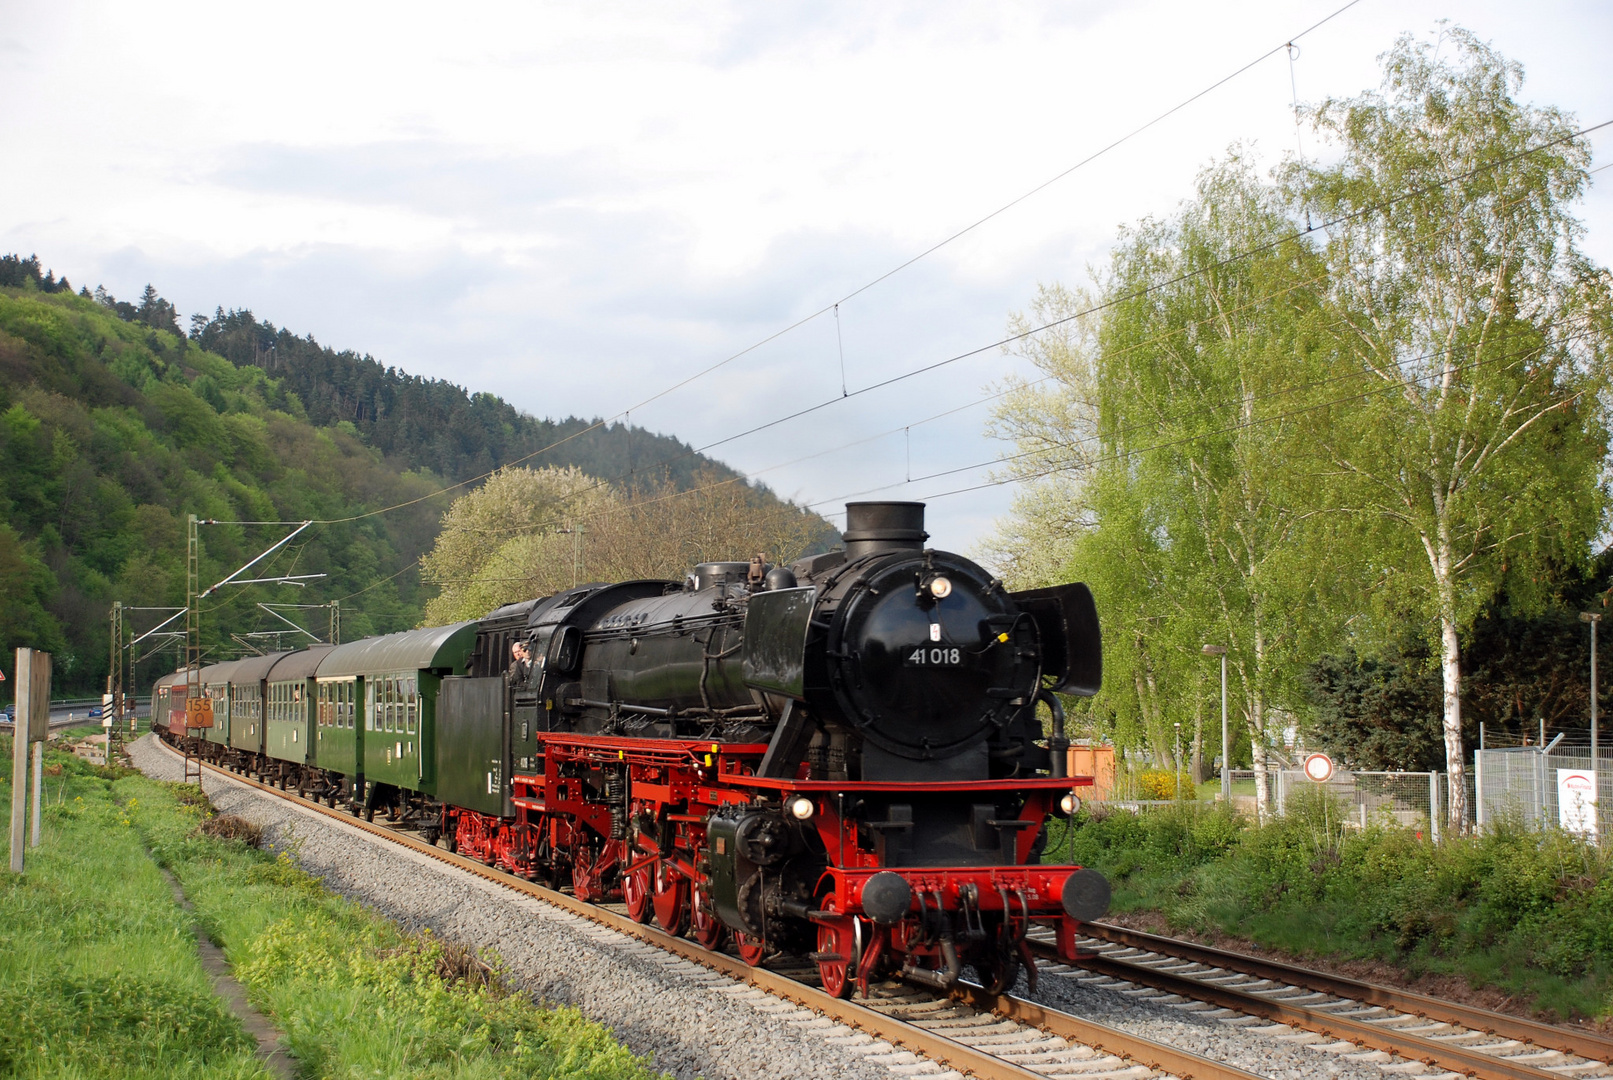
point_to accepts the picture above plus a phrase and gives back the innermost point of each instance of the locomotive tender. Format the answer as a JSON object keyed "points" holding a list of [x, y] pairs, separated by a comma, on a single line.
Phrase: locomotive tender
{"points": [[841, 758]]}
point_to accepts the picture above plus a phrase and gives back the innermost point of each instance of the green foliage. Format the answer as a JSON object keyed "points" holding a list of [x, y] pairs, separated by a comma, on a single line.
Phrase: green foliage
{"points": [[1523, 667], [502, 542], [432, 424], [1377, 713], [1522, 910], [114, 427], [1456, 283], [112, 431], [1299, 441]]}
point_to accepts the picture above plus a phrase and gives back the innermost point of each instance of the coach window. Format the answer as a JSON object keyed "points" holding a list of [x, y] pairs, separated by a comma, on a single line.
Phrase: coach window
{"points": [[411, 703]]}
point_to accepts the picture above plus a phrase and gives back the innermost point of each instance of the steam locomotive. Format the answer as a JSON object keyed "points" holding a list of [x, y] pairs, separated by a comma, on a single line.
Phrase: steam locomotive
{"points": [[841, 758]]}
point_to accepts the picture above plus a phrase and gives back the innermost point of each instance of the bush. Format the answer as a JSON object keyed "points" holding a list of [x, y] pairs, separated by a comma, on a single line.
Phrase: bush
{"points": [[1160, 784], [234, 827], [1527, 911]]}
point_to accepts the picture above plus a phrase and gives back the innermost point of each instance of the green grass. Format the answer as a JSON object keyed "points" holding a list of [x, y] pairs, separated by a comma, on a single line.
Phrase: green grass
{"points": [[98, 968], [101, 962], [1529, 913]]}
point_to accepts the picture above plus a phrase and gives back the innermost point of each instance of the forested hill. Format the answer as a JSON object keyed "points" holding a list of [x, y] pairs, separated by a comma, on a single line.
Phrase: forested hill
{"points": [[434, 424], [114, 426]]}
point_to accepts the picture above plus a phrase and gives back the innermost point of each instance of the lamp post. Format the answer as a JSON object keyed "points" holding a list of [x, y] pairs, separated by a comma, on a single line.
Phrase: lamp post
{"points": [[1594, 617], [1226, 748]]}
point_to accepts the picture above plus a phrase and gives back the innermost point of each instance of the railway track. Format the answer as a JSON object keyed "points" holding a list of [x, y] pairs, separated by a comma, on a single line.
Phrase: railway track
{"points": [[1000, 1036], [1298, 1002], [995, 1037]]}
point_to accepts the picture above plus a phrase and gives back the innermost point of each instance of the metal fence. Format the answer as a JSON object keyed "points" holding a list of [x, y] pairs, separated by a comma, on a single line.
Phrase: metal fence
{"points": [[1527, 783], [1417, 800]]}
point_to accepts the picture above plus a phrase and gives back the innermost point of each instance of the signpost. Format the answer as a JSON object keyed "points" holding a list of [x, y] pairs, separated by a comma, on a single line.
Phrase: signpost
{"points": [[1319, 767], [1576, 801], [32, 727]]}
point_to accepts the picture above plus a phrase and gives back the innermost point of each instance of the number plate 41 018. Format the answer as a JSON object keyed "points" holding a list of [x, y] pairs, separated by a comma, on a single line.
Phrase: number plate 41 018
{"points": [[934, 656]]}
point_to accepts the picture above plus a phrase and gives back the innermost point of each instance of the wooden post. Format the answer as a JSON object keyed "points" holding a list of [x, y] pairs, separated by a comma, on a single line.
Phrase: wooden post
{"points": [[39, 780], [19, 765], [32, 725]]}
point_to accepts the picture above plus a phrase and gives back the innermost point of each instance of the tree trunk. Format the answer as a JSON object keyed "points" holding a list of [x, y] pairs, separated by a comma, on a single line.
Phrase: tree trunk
{"points": [[1450, 663], [1257, 750], [1198, 744]]}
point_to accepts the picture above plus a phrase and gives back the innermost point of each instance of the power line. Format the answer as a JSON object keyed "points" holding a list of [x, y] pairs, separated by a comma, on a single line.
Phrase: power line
{"points": [[1120, 456], [907, 426], [1294, 237], [1123, 455], [834, 305]]}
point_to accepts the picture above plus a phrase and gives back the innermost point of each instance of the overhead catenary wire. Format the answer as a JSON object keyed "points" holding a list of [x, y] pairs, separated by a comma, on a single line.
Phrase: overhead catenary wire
{"points": [[859, 290], [906, 427], [1123, 455], [1187, 414], [1162, 336], [1257, 422], [1295, 236]]}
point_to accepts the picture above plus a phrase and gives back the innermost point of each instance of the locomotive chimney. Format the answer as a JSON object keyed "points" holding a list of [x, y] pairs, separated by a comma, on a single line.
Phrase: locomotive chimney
{"points": [[877, 528]]}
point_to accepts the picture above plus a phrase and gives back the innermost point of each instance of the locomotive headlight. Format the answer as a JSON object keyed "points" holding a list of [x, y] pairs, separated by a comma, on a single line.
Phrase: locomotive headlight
{"points": [[801, 808], [1070, 803], [940, 587]]}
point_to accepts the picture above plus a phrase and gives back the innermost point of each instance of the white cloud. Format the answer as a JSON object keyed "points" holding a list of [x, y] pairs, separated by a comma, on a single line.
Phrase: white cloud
{"points": [[574, 205]]}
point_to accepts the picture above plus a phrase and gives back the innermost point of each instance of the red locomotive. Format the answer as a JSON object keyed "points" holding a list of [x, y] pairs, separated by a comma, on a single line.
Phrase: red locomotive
{"points": [[840, 759]]}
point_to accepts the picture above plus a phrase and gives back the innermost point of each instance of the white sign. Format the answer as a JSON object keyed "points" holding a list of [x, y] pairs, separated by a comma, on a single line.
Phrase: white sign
{"points": [[1576, 801], [1319, 767]]}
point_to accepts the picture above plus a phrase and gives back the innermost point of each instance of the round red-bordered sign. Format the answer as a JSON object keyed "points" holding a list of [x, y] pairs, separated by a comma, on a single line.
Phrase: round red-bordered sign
{"points": [[1319, 767]]}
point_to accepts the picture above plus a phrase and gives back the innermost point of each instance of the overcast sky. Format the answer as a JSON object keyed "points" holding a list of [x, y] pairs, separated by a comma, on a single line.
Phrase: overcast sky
{"points": [[577, 206]]}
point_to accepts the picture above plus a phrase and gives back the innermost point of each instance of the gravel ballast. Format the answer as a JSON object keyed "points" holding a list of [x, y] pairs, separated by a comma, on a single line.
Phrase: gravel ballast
{"points": [[693, 1022]]}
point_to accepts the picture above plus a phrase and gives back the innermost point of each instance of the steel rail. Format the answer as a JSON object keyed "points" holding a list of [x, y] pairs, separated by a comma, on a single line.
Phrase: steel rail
{"points": [[937, 1047], [1377, 1035], [1587, 1044]]}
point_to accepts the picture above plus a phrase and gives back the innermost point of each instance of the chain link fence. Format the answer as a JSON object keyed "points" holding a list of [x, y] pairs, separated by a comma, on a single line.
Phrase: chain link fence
{"points": [[1528, 784], [1416, 800]]}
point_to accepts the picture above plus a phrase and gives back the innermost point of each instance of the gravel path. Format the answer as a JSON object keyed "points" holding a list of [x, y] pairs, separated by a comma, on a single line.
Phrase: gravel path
{"points": [[695, 1022]]}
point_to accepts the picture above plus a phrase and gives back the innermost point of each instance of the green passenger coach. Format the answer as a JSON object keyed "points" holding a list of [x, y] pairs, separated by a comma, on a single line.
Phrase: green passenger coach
{"points": [[215, 680], [246, 706], [290, 742], [378, 705]]}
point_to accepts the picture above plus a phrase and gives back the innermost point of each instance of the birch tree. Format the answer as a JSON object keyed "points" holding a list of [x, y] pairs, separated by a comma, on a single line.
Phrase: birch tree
{"points": [[1176, 432], [1457, 287]]}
